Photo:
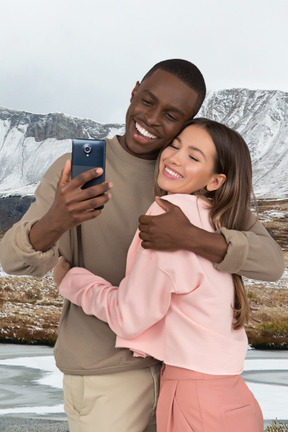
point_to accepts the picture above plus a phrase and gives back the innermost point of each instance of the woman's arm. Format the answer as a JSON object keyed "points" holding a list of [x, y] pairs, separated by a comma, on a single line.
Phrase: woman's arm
{"points": [[142, 299]]}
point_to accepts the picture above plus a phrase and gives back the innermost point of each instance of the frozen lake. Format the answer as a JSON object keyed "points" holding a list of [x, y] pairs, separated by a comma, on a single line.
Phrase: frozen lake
{"points": [[31, 385]]}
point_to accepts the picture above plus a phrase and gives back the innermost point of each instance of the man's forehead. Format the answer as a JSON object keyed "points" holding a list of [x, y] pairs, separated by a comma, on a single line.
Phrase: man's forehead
{"points": [[162, 78], [168, 88]]}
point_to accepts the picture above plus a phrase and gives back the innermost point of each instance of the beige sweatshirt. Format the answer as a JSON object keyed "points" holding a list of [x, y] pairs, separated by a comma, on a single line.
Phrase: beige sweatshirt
{"points": [[85, 345]]}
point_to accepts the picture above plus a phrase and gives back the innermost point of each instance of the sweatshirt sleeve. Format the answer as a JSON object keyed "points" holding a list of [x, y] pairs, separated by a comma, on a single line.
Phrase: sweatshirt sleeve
{"points": [[142, 299], [253, 254], [17, 256]]}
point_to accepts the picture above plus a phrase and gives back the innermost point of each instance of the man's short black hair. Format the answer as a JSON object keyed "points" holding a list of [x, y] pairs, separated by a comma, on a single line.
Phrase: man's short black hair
{"points": [[186, 72]]}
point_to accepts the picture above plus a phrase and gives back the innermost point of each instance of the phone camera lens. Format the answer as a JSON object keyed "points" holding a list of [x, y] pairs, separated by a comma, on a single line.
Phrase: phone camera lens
{"points": [[87, 149]]}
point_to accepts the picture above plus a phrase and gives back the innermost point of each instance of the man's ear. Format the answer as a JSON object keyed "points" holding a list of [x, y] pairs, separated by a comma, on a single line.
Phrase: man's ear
{"points": [[216, 182], [137, 85]]}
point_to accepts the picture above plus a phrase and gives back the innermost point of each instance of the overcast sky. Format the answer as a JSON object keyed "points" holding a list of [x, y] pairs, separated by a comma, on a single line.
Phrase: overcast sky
{"points": [[84, 57]]}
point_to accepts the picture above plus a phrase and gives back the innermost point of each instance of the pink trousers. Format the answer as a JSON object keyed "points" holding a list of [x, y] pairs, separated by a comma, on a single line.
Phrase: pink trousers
{"points": [[195, 402]]}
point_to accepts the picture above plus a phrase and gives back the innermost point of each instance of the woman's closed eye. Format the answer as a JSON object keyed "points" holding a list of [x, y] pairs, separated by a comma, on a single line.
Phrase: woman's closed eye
{"points": [[194, 158], [174, 146]]}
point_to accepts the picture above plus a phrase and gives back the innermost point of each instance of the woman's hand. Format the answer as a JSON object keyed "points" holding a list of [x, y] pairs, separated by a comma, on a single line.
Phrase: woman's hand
{"points": [[60, 270]]}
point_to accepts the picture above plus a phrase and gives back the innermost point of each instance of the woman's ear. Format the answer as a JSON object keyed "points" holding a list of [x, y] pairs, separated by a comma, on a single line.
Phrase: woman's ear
{"points": [[216, 182]]}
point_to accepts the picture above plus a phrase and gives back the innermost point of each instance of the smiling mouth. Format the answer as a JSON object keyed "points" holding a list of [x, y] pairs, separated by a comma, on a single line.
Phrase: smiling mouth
{"points": [[144, 132], [172, 173]]}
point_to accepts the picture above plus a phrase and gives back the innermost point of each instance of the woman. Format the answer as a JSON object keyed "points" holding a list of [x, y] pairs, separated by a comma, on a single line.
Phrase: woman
{"points": [[175, 306]]}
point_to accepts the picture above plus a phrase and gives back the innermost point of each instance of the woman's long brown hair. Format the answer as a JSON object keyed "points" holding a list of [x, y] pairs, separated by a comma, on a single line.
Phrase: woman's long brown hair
{"points": [[230, 204]]}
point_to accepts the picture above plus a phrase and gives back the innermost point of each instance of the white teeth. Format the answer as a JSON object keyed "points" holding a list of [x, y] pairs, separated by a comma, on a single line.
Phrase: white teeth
{"points": [[169, 171], [144, 131]]}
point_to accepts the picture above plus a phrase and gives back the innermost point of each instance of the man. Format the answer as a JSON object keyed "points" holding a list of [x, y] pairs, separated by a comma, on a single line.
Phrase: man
{"points": [[107, 389]]}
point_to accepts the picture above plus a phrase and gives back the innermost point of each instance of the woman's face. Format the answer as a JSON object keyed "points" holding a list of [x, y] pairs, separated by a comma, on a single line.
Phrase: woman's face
{"points": [[187, 164]]}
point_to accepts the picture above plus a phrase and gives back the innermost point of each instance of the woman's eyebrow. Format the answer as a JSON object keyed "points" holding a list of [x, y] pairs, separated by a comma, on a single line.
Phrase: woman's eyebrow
{"points": [[177, 138], [198, 150]]}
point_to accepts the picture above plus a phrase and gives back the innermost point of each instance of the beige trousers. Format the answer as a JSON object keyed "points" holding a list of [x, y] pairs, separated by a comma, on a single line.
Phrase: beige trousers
{"points": [[119, 402]]}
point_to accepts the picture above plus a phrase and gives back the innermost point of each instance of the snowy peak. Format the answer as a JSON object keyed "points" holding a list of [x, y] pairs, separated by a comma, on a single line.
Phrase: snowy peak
{"points": [[261, 118], [54, 125], [237, 107], [29, 143]]}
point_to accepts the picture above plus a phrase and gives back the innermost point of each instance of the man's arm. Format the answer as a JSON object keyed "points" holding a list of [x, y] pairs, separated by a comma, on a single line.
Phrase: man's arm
{"points": [[253, 254], [30, 246]]}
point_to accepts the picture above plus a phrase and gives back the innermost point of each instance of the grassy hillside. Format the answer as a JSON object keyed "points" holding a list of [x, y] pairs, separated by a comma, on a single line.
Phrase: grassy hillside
{"points": [[31, 307]]}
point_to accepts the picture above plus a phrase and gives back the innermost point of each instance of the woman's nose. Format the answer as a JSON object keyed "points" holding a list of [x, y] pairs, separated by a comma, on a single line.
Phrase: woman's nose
{"points": [[176, 157]]}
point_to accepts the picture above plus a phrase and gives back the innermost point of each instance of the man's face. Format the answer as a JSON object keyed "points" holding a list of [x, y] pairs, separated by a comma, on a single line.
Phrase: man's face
{"points": [[160, 106]]}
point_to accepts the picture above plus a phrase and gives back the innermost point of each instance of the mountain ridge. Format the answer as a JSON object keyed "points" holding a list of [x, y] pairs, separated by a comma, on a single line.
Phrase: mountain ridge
{"points": [[29, 143]]}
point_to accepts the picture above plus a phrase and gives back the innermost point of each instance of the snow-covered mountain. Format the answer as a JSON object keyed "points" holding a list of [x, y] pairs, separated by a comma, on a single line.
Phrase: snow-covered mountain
{"points": [[29, 143], [261, 117]]}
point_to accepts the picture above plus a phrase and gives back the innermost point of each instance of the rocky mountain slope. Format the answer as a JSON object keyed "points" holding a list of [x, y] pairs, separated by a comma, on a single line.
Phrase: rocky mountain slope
{"points": [[29, 143]]}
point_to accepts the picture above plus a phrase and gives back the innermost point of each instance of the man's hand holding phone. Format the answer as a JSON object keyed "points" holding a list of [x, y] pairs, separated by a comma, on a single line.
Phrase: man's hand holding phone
{"points": [[72, 206], [75, 204]]}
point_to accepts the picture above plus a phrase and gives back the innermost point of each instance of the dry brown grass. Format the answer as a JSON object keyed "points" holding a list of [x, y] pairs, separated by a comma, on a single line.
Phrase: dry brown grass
{"points": [[269, 301], [30, 310], [31, 307], [277, 427], [268, 327]]}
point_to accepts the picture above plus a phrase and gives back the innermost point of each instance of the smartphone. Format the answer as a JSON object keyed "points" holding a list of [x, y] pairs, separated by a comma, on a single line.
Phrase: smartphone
{"points": [[88, 154]]}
